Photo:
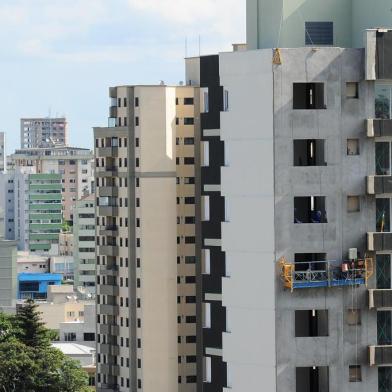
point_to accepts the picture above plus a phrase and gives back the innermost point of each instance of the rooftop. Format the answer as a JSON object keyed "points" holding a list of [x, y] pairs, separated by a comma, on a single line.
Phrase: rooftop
{"points": [[73, 348]]}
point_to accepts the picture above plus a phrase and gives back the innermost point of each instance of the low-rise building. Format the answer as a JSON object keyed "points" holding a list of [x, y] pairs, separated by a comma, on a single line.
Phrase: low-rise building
{"points": [[35, 285], [8, 289], [31, 263]]}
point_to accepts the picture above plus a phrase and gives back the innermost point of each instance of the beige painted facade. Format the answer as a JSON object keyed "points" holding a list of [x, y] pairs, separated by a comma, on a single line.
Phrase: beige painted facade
{"points": [[141, 290]]}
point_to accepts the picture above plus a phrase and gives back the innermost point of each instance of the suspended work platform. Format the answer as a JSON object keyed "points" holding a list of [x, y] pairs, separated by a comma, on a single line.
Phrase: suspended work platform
{"points": [[313, 274]]}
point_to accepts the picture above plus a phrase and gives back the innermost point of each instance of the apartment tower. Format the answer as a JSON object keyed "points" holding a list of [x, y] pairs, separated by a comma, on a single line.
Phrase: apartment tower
{"points": [[43, 132], [295, 275], [146, 192]]}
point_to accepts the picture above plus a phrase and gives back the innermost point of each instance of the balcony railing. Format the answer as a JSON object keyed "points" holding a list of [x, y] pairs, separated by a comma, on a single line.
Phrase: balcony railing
{"points": [[380, 355], [377, 185], [380, 299], [378, 127], [315, 274], [379, 241]]}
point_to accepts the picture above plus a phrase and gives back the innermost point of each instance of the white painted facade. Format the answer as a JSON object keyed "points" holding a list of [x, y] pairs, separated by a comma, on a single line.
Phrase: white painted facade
{"points": [[248, 232]]}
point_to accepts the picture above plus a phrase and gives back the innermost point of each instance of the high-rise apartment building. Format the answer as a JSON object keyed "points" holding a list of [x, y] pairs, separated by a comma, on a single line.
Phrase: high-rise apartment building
{"points": [[74, 165], [3, 165], [43, 132], [45, 214], [84, 243], [146, 192], [295, 203]]}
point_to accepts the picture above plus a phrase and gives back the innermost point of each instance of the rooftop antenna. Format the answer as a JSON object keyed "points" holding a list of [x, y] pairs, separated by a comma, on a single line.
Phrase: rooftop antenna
{"points": [[186, 47], [199, 45]]}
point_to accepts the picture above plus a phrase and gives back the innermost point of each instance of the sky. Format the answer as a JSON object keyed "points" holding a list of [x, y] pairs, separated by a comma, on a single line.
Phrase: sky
{"points": [[59, 57]]}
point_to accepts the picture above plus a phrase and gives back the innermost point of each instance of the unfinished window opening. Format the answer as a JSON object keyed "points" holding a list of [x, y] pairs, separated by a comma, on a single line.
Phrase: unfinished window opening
{"points": [[353, 204], [311, 323], [353, 317], [310, 209], [309, 96], [352, 146], [313, 261], [309, 152], [352, 90], [355, 373], [312, 379]]}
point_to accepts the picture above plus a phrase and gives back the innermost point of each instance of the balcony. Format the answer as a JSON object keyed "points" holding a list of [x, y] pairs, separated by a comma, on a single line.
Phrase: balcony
{"points": [[113, 111], [109, 270], [108, 191], [110, 310], [107, 211], [108, 289], [107, 171], [108, 329], [379, 241], [106, 152], [108, 250], [377, 185], [109, 349], [380, 299], [380, 355], [110, 231], [314, 274], [113, 370], [378, 128]]}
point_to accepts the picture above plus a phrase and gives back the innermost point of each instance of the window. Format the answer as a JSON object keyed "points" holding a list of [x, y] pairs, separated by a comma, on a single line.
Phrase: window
{"points": [[189, 161], [312, 379], [355, 374], [189, 200], [190, 299], [318, 33], [89, 337], [308, 96], [189, 121], [70, 337], [353, 204], [189, 220], [189, 141], [352, 146], [225, 100], [352, 90], [188, 101], [383, 158], [383, 214], [190, 319], [190, 240], [353, 317], [311, 323], [310, 209], [190, 359], [309, 152], [383, 99], [190, 339], [137, 121], [136, 101], [191, 379]]}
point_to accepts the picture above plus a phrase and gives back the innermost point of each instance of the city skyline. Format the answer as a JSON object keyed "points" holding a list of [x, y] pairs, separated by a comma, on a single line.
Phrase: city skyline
{"points": [[49, 57]]}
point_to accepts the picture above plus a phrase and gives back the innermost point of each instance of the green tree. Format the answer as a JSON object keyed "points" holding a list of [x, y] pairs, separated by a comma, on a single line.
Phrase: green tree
{"points": [[7, 327], [32, 331]]}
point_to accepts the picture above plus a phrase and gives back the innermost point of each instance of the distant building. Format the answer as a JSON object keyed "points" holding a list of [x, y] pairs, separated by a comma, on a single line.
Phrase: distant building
{"points": [[31, 263], [3, 166], [35, 285], [43, 132], [63, 265], [75, 165], [8, 289], [84, 240], [45, 213]]}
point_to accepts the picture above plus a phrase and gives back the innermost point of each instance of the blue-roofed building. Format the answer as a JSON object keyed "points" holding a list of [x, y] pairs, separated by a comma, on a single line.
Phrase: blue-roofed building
{"points": [[35, 285]]}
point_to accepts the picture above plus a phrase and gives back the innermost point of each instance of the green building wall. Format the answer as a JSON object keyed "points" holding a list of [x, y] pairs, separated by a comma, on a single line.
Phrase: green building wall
{"points": [[281, 23]]}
